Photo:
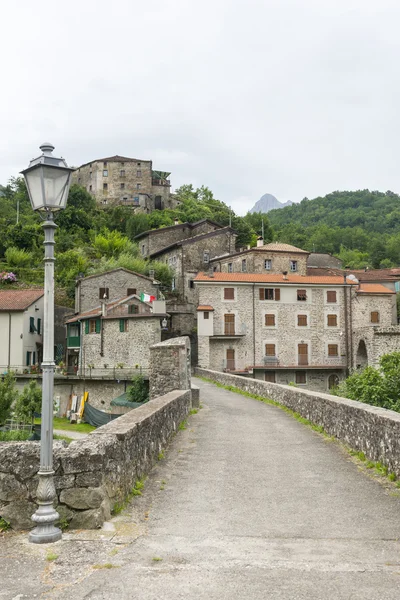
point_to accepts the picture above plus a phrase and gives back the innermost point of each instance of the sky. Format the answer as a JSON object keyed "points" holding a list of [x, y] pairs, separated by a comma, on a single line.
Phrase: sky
{"points": [[296, 98]]}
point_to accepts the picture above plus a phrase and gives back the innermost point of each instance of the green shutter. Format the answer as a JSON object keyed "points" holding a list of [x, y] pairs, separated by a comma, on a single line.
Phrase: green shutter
{"points": [[39, 326], [34, 358], [87, 326], [121, 325], [32, 325], [97, 325]]}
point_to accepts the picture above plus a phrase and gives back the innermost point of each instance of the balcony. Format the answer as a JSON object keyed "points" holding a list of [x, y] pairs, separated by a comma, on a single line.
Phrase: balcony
{"points": [[163, 182], [74, 341], [226, 331]]}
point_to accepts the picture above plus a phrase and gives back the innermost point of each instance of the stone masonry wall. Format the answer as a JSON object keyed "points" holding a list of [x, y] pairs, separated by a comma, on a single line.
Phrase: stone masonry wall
{"points": [[170, 366], [372, 430], [94, 474], [255, 260]]}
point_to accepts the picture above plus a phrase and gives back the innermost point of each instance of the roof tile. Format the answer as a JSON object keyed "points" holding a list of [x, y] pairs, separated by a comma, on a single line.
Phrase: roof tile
{"points": [[11, 300], [271, 278]]}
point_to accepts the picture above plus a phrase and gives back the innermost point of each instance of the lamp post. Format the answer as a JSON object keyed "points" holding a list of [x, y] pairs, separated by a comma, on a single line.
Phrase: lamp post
{"points": [[48, 180]]}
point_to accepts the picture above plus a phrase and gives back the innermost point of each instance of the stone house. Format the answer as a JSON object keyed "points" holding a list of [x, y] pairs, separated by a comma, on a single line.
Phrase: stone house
{"points": [[286, 328], [127, 181], [118, 283], [155, 240], [269, 258], [114, 335], [323, 259], [21, 325]]}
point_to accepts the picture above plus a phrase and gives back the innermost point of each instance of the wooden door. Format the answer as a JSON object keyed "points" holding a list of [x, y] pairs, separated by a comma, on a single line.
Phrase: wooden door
{"points": [[230, 360], [303, 354], [229, 324]]}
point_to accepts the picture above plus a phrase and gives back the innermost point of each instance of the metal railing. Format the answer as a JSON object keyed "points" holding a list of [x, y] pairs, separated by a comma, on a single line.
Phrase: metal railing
{"points": [[109, 372]]}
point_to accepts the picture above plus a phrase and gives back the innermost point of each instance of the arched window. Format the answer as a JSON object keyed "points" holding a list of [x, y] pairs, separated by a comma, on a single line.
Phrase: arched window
{"points": [[333, 381]]}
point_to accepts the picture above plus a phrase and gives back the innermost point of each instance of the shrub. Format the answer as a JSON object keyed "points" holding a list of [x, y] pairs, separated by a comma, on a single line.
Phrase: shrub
{"points": [[139, 390], [28, 402], [8, 395]]}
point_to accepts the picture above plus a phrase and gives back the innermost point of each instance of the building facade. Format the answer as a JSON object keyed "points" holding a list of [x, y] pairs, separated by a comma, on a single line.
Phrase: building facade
{"points": [[127, 181], [110, 285], [21, 329], [268, 258], [285, 328]]}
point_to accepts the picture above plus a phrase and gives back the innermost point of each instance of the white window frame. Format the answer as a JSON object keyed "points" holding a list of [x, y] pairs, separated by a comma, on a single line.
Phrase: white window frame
{"points": [[294, 266], [268, 264]]}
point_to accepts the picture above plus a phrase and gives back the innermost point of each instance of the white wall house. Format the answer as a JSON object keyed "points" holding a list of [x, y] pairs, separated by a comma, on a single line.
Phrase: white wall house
{"points": [[21, 323]]}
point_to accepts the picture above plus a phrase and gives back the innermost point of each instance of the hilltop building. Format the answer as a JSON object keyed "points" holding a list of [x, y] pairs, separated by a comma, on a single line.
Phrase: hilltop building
{"points": [[127, 181]]}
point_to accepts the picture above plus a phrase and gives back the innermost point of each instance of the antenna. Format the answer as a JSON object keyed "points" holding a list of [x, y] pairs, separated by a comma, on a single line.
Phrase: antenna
{"points": [[262, 228]]}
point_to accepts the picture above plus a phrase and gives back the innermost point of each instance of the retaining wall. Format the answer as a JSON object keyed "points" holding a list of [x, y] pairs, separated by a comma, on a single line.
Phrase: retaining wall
{"points": [[372, 430], [94, 474]]}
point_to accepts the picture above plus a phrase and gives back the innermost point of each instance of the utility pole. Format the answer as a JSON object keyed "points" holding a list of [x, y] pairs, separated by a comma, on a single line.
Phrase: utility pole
{"points": [[262, 229]]}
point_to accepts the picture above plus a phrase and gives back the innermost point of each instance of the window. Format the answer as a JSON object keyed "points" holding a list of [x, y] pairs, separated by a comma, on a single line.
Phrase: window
{"points": [[332, 320], [103, 293], [138, 164], [92, 326], [33, 358], [130, 291], [122, 172], [374, 317], [90, 188], [122, 164], [302, 350], [293, 266], [136, 199], [270, 320], [122, 186], [333, 381], [331, 296], [269, 376], [268, 264], [138, 186], [133, 309], [39, 326], [28, 358], [270, 294], [105, 173], [333, 350], [229, 293], [244, 266], [105, 186], [206, 315], [191, 284], [206, 256], [302, 321], [90, 174], [229, 324], [32, 327], [173, 284], [300, 377], [139, 173], [270, 350], [143, 248], [123, 325], [230, 270], [104, 164], [79, 179], [301, 295]]}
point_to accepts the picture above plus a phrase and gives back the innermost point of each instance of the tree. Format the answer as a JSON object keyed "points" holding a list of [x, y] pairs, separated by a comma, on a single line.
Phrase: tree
{"points": [[139, 390], [8, 395], [28, 402]]}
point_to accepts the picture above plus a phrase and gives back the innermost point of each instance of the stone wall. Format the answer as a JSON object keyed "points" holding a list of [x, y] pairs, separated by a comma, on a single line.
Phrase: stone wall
{"points": [[170, 366], [378, 341], [255, 262], [372, 430], [94, 474]]}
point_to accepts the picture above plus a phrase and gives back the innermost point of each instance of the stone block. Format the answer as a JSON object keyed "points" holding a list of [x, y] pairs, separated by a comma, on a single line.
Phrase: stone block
{"points": [[19, 514], [195, 396], [10, 488], [91, 519], [82, 498]]}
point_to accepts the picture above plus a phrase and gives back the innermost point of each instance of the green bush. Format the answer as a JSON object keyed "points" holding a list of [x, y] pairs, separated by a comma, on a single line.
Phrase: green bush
{"points": [[28, 402], [18, 258], [139, 390], [8, 395]]}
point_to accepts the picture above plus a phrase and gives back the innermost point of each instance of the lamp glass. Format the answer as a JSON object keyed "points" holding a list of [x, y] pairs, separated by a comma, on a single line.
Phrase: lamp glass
{"points": [[48, 187]]}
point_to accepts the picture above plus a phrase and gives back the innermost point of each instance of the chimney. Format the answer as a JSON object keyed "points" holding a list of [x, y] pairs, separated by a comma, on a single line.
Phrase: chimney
{"points": [[210, 272], [176, 221], [285, 277], [103, 307], [260, 241]]}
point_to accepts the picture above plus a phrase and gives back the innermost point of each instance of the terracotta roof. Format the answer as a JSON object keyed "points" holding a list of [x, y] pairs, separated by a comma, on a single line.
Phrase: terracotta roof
{"points": [[114, 271], [193, 239], [376, 274], [278, 247], [179, 226], [373, 288], [96, 312], [270, 278], [205, 307], [115, 158], [11, 300]]}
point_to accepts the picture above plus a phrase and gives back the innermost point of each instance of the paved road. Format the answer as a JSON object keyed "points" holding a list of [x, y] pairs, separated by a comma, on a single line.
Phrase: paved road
{"points": [[248, 504]]}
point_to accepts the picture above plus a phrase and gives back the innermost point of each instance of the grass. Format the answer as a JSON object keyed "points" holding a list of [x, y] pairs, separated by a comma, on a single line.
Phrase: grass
{"points": [[51, 556], [378, 467], [4, 525], [157, 559], [106, 566], [65, 425], [160, 456], [194, 411], [14, 436], [182, 425], [135, 491], [67, 439]]}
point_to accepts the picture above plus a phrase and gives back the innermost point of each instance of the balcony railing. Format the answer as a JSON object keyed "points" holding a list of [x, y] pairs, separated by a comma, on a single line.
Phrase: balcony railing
{"points": [[229, 329], [73, 341]]}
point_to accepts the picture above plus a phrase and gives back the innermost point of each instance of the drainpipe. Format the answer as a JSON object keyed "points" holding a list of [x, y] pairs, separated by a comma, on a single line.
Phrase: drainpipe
{"points": [[9, 341], [254, 324]]}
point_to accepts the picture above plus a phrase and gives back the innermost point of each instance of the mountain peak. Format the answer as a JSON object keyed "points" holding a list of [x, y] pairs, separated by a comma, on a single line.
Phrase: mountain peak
{"points": [[268, 202]]}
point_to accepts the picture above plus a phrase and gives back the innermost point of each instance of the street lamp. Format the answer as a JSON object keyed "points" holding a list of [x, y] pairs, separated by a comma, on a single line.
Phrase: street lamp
{"points": [[48, 180]]}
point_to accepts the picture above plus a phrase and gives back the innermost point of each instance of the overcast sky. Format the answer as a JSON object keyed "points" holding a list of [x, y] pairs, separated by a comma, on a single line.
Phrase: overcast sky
{"points": [[291, 97]]}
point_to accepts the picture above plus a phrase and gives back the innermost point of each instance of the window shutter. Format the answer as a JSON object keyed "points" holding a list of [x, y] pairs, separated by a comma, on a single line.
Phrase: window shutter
{"points": [[28, 358], [87, 326], [374, 317], [33, 358], [229, 293], [332, 320], [277, 294], [39, 326], [98, 325], [262, 294], [32, 327], [121, 325], [331, 296]]}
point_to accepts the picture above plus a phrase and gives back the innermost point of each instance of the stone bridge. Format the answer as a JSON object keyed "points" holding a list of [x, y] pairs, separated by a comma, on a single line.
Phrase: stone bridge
{"points": [[248, 502]]}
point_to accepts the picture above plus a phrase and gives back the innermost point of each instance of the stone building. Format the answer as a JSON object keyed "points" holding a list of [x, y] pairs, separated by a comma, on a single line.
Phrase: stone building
{"points": [[285, 327], [268, 258], [118, 283], [127, 181], [114, 335], [155, 240]]}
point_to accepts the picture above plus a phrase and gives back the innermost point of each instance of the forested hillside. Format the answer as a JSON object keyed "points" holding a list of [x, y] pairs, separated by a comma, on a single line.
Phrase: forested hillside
{"points": [[91, 239], [361, 227]]}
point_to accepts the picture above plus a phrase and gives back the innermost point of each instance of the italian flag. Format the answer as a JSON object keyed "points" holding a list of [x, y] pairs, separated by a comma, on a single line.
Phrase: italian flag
{"points": [[146, 297]]}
